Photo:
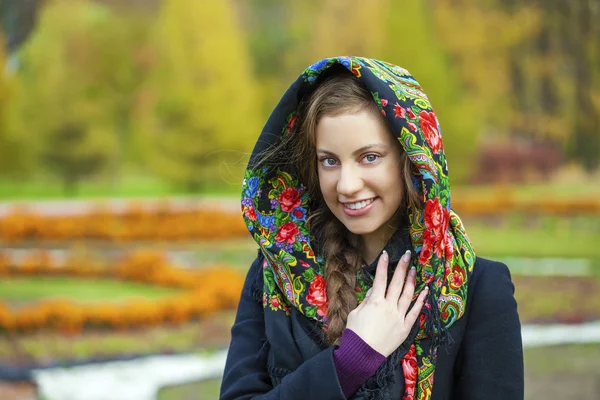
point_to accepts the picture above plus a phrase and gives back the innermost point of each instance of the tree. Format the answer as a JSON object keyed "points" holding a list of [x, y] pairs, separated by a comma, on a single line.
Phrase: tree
{"points": [[198, 108], [10, 150], [68, 74], [584, 48], [411, 41]]}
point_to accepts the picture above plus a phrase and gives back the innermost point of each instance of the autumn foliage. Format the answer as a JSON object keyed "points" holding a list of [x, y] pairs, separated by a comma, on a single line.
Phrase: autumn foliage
{"points": [[206, 292], [135, 223]]}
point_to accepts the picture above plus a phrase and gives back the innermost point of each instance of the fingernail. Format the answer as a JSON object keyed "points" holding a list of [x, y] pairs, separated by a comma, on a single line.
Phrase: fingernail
{"points": [[406, 256], [413, 271], [384, 255]]}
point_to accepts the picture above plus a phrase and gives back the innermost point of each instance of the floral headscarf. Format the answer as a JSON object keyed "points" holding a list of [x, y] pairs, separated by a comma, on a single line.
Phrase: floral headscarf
{"points": [[275, 205]]}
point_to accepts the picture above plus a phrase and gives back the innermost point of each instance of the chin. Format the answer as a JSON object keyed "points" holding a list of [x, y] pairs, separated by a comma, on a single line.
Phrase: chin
{"points": [[361, 228]]}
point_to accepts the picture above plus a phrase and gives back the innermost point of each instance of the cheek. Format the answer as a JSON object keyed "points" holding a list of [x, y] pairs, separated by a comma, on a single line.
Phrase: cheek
{"points": [[327, 183], [391, 182]]}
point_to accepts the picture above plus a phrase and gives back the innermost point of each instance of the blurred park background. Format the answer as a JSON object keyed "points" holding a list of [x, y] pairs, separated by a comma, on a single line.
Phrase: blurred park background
{"points": [[125, 127]]}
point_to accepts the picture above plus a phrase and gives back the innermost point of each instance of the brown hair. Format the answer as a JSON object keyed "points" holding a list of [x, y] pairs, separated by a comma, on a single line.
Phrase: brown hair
{"points": [[337, 92]]}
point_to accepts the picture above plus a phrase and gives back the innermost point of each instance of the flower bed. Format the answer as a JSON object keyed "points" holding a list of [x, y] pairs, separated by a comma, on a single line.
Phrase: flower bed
{"points": [[136, 223], [206, 291], [164, 223]]}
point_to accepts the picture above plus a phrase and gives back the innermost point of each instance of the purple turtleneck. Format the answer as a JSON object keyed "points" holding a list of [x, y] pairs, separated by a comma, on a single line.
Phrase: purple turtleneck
{"points": [[355, 362]]}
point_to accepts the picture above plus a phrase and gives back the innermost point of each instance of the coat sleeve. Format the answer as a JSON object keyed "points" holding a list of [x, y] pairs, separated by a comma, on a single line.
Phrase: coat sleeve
{"points": [[492, 349], [246, 374]]}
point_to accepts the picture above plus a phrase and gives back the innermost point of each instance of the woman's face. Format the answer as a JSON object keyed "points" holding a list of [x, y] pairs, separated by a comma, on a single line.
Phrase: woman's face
{"points": [[359, 171]]}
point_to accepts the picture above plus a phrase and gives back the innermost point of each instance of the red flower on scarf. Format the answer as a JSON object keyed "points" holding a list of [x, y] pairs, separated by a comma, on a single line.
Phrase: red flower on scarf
{"points": [[291, 123], [250, 213], [434, 215], [449, 250], [429, 126], [399, 111], [457, 280], [317, 295], [426, 251], [410, 369], [274, 302], [287, 233], [436, 222], [289, 199]]}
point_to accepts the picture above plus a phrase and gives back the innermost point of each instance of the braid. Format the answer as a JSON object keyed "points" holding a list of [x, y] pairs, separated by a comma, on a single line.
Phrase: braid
{"points": [[342, 261]]}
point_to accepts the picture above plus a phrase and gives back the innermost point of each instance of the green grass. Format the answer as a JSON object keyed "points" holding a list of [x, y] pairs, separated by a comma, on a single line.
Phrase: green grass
{"points": [[239, 253], [534, 191], [574, 358], [208, 389], [513, 241], [557, 298], [40, 287], [211, 333], [562, 372], [125, 187]]}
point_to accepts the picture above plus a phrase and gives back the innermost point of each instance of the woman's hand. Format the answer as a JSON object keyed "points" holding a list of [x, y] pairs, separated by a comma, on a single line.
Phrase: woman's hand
{"points": [[381, 320]]}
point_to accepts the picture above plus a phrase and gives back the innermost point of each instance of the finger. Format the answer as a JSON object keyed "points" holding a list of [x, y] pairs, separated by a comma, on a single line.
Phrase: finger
{"points": [[397, 282], [413, 314], [407, 292], [380, 281]]}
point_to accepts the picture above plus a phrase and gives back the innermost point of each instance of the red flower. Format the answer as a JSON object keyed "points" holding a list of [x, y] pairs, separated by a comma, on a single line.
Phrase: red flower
{"points": [[399, 111], [384, 102], [289, 199], [410, 368], [412, 127], [434, 215], [429, 126], [274, 302], [250, 213], [298, 214], [317, 295], [292, 122], [456, 280], [287, 233], [449, 250], [411, 114], [428, 240]]}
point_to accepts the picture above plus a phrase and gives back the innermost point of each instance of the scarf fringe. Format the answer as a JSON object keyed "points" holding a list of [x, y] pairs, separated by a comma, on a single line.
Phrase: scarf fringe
{"points": [[436, 330]]}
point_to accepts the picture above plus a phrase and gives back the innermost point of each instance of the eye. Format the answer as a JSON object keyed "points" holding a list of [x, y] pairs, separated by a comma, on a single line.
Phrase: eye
{"points": [[371, 158], [328, 161]]}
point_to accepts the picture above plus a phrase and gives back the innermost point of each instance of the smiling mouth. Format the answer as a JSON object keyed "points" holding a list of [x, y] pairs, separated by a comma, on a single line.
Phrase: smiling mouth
{"points": [[359, 204]]}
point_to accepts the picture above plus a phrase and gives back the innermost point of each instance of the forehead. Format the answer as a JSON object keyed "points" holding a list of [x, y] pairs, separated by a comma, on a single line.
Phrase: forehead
{"points": [[348, 132]]}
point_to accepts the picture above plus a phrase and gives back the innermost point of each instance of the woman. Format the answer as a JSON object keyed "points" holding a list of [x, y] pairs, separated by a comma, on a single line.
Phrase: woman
{"points": [[366, 285]]}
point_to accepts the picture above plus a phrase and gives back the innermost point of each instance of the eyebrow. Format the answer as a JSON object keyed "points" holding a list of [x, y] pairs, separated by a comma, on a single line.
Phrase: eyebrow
{"points": [[355, 152]]}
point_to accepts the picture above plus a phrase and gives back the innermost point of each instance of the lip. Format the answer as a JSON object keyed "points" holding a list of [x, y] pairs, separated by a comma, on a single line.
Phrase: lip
{"points": [[360, 212]]}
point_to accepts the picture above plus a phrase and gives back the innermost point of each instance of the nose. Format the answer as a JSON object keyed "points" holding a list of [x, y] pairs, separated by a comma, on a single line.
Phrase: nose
{"points": [[350, 182]]}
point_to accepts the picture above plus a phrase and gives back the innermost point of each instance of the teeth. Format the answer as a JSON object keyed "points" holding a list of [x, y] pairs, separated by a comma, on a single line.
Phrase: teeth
{"points": [[358, 205]]}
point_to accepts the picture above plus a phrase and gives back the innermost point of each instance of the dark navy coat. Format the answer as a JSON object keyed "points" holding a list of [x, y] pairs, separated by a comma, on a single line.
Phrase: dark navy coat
{"points": [[277, 357]]}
